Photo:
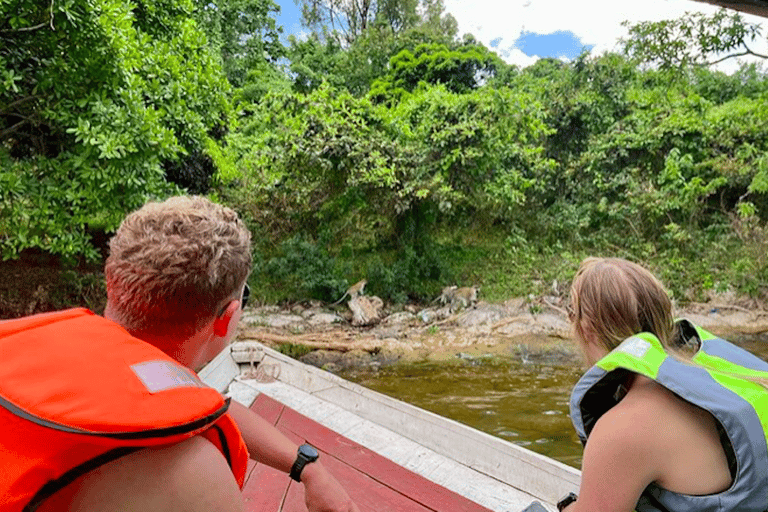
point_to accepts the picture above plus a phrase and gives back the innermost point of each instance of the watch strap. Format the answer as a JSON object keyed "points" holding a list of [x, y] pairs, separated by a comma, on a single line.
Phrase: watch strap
{"points": [[567, 500], [302, 459]]}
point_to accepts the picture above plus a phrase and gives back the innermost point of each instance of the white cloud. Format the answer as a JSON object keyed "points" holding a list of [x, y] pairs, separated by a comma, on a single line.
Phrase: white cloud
{"points": [[594, 22], [514, 56]]}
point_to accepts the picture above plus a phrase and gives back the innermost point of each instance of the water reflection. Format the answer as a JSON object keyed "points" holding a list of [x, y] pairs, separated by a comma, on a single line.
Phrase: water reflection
{"points": [[526, 404]]}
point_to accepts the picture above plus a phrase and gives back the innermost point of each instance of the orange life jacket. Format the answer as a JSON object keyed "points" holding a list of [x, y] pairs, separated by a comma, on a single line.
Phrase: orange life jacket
{"points": [[77, 391]]}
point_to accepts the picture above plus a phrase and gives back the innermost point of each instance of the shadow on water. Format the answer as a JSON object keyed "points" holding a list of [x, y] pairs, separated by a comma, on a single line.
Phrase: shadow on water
{"points": [[524, 403]]}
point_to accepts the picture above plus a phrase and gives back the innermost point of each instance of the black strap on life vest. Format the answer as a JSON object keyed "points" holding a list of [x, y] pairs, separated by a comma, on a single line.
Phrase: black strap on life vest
{"points": [[53, 486]]}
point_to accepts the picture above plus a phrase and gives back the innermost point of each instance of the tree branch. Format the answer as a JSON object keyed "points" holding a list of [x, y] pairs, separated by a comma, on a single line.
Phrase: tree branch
{"points": [[18, 102], [746, 51], [14, 128], [755, 53], [731, 56], [25, 29], [35, 27]]}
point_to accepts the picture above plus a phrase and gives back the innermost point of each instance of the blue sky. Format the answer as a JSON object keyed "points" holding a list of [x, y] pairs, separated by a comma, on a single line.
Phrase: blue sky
{"points": [[561, 43], [290, 16], [522, 31]]}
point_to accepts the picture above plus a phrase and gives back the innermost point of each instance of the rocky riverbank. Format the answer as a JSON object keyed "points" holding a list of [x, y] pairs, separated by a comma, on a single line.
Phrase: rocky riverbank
{"points": [[532, 329]]}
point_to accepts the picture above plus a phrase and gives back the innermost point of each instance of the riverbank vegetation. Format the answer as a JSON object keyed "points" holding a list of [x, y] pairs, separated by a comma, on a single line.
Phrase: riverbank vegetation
{"points": [[383, 146]]}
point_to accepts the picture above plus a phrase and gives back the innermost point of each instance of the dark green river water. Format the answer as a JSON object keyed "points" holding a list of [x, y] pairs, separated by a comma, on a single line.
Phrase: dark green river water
{"points": [[524, 403]]}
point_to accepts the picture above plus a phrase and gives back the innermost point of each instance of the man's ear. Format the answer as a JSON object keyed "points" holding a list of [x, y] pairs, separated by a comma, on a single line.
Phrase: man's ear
{"points": [[221, 323]]}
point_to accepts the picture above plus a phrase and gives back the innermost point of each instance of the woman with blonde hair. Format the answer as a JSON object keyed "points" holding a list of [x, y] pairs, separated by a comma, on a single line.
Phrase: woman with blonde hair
{"points": [[676, 418]]}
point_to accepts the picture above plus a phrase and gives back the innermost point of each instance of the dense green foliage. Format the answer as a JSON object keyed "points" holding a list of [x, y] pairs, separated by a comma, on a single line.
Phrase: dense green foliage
{"points": [[104, 103], [381, 146], [460, 70], [354, 63], [242, 32], [346, 21]]}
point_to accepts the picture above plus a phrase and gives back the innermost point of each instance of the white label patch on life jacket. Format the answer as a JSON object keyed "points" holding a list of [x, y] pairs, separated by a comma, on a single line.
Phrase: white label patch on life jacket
{"points": [[162, 375], [634, 346]]}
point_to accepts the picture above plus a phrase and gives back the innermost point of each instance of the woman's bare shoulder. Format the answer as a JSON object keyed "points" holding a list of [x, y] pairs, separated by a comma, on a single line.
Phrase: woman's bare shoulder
{"points": [[640, 429], [646, 404], [620, 458]]}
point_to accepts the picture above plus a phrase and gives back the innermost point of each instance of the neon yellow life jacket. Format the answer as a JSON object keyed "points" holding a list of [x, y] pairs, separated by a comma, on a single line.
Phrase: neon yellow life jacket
{"points": [[717, 383]]}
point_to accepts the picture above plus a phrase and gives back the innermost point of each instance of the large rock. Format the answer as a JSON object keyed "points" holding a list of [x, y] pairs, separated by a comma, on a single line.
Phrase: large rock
{"points": [[281, 320], [484, 314], [400, 318], [324, 319], [334, 361], [322, 358], [546, 324], [277, 320], [430, 315]]}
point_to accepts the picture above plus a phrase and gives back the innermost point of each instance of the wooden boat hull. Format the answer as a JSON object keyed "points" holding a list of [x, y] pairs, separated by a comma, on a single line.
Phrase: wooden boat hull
{"points": [[485, 469]]}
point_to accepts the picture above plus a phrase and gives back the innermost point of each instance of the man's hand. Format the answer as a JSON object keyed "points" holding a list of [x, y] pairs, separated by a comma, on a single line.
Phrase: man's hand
{"points": [[322, 492], [266, 444]]}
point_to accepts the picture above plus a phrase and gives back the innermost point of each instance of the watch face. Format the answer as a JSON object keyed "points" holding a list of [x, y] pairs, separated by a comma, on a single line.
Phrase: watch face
{"points": [[308, 451]]}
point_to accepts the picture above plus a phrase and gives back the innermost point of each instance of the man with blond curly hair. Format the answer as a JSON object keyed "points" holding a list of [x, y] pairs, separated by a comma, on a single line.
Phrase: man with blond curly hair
{"points": [[162, 440], [172, 268]]}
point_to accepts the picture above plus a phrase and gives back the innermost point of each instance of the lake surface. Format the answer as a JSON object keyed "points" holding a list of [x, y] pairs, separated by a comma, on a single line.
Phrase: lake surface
{"points": [[524, 403]]}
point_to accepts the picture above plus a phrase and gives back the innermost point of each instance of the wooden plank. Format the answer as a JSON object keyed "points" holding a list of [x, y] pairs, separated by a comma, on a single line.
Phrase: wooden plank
{"points": [[242, 393], [371, 495], [540, 476], [378, 469], [368, 494], [440, 450], [251, 465], [268, 408], [294, 500], [446, 472], [265, 489]]}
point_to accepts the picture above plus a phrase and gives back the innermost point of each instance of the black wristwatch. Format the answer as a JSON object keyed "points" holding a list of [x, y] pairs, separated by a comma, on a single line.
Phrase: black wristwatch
{"points": [[306, 455], [570, 498]]}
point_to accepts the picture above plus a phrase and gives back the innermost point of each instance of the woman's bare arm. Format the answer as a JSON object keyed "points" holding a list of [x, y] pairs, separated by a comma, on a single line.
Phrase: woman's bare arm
{"points": [[620, 459]]}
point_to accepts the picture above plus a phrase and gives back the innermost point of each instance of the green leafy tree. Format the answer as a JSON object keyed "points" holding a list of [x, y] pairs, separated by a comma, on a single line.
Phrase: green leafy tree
{"points": [[459, 70], [748, 81], [327, 158], [346, 20], [693, 39], [675, 166], [362, 177], [474, 153], [354, 65], [103, 102], [314, 61], [245, 33], [262, 78], [582, 98]]}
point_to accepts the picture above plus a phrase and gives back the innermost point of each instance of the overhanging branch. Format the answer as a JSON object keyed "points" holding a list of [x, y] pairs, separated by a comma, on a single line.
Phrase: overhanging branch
{"points": [[747, 51], [18, 102], [5, 133], [35, 27]]}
